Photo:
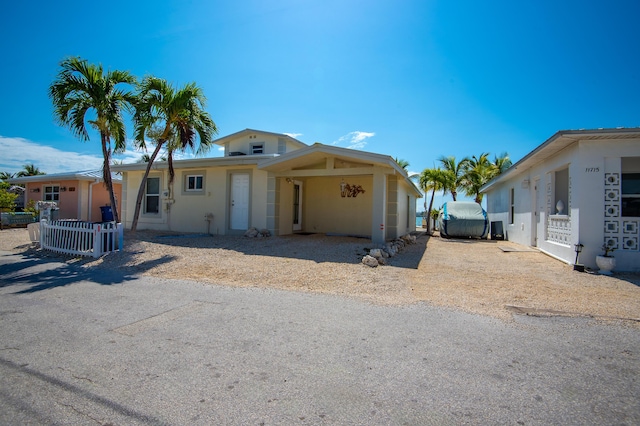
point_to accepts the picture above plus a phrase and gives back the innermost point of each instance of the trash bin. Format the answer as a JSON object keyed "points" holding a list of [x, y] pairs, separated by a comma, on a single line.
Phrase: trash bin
{"points": [[107, 213], [497, 232]]}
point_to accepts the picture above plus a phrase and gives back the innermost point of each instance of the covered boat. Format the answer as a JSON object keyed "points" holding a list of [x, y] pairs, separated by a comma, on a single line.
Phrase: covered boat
{"points": [[463, 219]]}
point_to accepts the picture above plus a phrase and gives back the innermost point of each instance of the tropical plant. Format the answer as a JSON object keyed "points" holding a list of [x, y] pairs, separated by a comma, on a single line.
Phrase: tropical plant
{"points": [[146, 158], [6, 176], [7, 200], [178, 114], [29, 170], [31, 208], [477, 171], [432, 180], [455, 170], [501, 163], [402, 163], [85, 93]]}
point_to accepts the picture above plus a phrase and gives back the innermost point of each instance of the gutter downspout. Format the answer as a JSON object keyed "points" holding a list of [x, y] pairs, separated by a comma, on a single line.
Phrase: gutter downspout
{"points": [[91, 198]]}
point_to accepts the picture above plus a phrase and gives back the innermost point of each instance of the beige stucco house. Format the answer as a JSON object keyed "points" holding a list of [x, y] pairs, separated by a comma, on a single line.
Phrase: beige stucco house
{"points": [[273, 181], [79, 195]]}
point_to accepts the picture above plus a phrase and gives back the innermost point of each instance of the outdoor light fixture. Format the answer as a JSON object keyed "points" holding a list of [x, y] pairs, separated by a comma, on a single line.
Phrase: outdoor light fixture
{"points": [[577, 266]]}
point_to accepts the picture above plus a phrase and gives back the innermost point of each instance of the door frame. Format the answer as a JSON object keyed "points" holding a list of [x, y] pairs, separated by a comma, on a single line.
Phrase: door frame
{"points": [[298, 226], [535, 210]]}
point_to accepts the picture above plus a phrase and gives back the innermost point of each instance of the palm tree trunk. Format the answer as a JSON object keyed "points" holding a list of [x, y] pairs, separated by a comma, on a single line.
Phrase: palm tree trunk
{"points": [[172, 172], [106, 176], [454, 194], [141, 190], [433, 194]]}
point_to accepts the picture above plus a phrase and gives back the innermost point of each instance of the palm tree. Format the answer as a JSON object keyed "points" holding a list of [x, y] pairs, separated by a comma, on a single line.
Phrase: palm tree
{"points": [[6, 175], [402, 163], [477, 171], [501, 163], [29, 170], [81, 87], [180, 117], [455, 171], [432, 180]]}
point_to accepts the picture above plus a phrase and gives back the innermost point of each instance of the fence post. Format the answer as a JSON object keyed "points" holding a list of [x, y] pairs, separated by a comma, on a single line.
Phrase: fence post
{"points": [[97, 241], [120, 236], [43, 232]]}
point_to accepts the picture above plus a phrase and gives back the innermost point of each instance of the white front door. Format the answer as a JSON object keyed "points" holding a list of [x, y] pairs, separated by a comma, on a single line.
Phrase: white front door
{"points": [[297, 205], [240, 201]]}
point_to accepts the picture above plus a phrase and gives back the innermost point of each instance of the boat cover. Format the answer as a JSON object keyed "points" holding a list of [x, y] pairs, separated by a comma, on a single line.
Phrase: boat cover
{"points": [[463, 219]]}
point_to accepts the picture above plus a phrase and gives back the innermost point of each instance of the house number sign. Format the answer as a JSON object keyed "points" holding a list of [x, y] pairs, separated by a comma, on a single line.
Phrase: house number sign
{"points": [[592, 169]]}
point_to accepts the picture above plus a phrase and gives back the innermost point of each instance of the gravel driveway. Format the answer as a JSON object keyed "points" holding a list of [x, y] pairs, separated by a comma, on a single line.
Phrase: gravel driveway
{"points": [[487, 277]]}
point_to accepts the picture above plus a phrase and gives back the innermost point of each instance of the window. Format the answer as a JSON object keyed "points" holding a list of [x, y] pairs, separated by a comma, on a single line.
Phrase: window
{"points": [[152, 196], [52, 193], [631, 194], [282, 146], [257, 148], [193, 183], [561, 186], [512, 204]]}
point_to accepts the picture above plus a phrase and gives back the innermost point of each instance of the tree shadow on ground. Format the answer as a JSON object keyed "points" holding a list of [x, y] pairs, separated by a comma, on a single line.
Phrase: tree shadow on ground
{"points": [[42, 272], [320, 248]]}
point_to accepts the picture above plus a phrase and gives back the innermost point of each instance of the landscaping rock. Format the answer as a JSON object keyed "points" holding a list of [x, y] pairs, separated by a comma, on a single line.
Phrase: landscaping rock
{"points": [[265, 232], [370, 261], [251, 233], [377, 253]]}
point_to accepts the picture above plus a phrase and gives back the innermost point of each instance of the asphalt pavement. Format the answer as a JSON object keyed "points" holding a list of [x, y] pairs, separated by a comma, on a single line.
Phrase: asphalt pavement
{"points": [[83, 346]]}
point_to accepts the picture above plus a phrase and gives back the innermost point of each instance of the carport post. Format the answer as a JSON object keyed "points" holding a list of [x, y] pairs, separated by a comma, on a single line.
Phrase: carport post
{"points": [[379, 207]]}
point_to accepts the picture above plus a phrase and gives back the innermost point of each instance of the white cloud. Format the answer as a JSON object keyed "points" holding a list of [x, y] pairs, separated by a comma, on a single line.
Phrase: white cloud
{"points": [[354, 140], [16, 152], [293, 135]]}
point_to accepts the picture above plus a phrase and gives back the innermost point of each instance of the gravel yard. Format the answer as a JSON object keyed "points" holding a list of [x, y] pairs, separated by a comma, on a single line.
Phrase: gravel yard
{"points": [[475, 276]]}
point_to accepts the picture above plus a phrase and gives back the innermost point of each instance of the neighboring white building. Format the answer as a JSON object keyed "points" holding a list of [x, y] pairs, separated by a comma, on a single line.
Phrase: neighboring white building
{"points": [[579, 186]]}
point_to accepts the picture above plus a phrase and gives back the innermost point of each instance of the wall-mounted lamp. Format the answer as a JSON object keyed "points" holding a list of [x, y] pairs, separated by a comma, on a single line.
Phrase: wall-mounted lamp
{"points": [[577, 267], [289, 180]]}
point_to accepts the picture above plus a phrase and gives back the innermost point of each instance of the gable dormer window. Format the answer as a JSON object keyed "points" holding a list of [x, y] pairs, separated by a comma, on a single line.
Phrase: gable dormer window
{"points": [[257, 148]]}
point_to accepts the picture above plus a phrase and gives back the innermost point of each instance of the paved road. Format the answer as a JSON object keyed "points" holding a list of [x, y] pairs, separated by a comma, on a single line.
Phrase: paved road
{"points": [[78, 347]]}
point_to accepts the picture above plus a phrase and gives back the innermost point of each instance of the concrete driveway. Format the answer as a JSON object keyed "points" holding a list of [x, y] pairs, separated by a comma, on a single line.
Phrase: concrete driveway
{"points": [[85, 347]]}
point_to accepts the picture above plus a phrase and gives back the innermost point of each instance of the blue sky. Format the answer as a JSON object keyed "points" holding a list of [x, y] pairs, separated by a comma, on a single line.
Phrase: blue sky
{"points": [[412, 79]]}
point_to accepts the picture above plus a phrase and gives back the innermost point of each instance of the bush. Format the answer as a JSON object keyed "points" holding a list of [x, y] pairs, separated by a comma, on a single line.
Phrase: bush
{"points": [[7, 201]]}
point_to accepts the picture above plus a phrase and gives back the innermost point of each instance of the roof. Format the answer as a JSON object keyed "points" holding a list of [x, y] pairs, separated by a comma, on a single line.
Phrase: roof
{"points": [[88, 175], [318, 152], [196, 162], [225, 139], [557, 143]]}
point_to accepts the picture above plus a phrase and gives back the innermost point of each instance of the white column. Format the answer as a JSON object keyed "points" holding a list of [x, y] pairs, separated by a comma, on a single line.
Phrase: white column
{"points": [[379, 207]]}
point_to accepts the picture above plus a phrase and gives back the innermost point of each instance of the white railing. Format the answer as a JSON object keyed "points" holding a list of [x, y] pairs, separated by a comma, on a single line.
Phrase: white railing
{"points": [[81, 238]]}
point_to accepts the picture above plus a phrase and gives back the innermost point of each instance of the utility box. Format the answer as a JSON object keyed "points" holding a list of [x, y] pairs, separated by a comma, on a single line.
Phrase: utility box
{"points": [[497, 232]]}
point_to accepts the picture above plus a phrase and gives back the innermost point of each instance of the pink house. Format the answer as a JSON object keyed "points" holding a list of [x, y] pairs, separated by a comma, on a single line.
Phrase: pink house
{"points": [[79, 194]]}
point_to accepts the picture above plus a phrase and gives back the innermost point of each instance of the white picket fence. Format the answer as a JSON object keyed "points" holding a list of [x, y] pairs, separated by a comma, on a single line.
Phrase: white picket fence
{"points": [[81, 238]]}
